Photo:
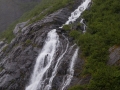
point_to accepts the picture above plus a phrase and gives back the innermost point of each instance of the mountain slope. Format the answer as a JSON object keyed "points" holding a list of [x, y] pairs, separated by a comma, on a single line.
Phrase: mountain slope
{"points": [[17, 58], [11, 10], [99, 67]]}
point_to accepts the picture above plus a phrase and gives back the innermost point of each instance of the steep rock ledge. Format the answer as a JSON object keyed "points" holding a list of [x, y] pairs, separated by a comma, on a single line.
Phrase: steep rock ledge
{"points": [[18, 58], [114, 57]]}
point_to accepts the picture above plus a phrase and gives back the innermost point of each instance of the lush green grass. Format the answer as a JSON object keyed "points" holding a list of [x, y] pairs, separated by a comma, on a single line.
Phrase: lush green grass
{"points": [[8, 34], [46, 7], [103, 32], [43, 9]]}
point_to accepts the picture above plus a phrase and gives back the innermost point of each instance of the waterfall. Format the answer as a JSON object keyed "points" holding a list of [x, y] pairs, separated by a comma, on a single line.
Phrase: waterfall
{"points": [[70, 74], [48, 61], [44, 60], [47, 87], [84, 26], [76, 14]]}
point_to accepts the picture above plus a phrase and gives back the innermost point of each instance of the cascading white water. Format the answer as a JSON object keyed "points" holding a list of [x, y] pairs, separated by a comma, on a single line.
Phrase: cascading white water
{"points": [[47, 57], [47, 87], [44, 60], [70, 74], [84, 26], [76, 14]]}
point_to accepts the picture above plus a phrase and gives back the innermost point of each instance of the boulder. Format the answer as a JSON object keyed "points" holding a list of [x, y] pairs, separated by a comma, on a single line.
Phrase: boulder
{"points": [[19, 26], [114, 57]]}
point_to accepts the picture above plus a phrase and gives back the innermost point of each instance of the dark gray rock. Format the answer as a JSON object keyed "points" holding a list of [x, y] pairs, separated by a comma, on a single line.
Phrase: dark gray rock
{"points": [[19, 58], [20, 55], [114, 57], [19, 26], [1, 43], [3, 46]]}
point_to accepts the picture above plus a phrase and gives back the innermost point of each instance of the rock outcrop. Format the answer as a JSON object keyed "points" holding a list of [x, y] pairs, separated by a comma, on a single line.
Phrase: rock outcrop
{"points": [[18, 58], [114, 57], [19, 26]]}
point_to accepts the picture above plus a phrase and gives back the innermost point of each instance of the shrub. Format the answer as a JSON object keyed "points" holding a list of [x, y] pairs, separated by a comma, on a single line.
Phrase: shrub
{"points": [[103, 32], [27, 42], [67, 27]]}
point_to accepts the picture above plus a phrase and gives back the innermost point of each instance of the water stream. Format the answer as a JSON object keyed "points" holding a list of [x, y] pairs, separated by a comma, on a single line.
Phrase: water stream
{"points": [[48, 61], [84, 25]]}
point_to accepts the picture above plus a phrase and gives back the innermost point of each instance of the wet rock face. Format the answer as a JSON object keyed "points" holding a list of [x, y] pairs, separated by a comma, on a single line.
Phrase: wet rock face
{"points": [[18, 60], [64, 69], [19, 26], [114, 57]]}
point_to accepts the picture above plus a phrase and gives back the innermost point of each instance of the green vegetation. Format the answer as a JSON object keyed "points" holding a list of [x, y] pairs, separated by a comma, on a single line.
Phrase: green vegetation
{"points": [[66, 27], [5, 48], [103, 32], [1, 68], [27, 42], [77, 87], [43, 9], [8, 34]]}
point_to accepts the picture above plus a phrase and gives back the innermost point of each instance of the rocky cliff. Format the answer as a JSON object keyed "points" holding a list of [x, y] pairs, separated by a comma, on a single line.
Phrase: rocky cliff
{"points": [[17, 59]]}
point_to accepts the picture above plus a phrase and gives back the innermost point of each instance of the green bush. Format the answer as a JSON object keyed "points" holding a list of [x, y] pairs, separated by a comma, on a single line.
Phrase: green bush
{"points": [[67, 27], [8, 34], [77, 87], [105, 78], [75, 34], [103, 32], [27, 42]]}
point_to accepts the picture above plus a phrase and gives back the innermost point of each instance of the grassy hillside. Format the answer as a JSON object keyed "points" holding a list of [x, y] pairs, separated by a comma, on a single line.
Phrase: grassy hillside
{"points": [[103, 32], [45, 6], [11, 10]]}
